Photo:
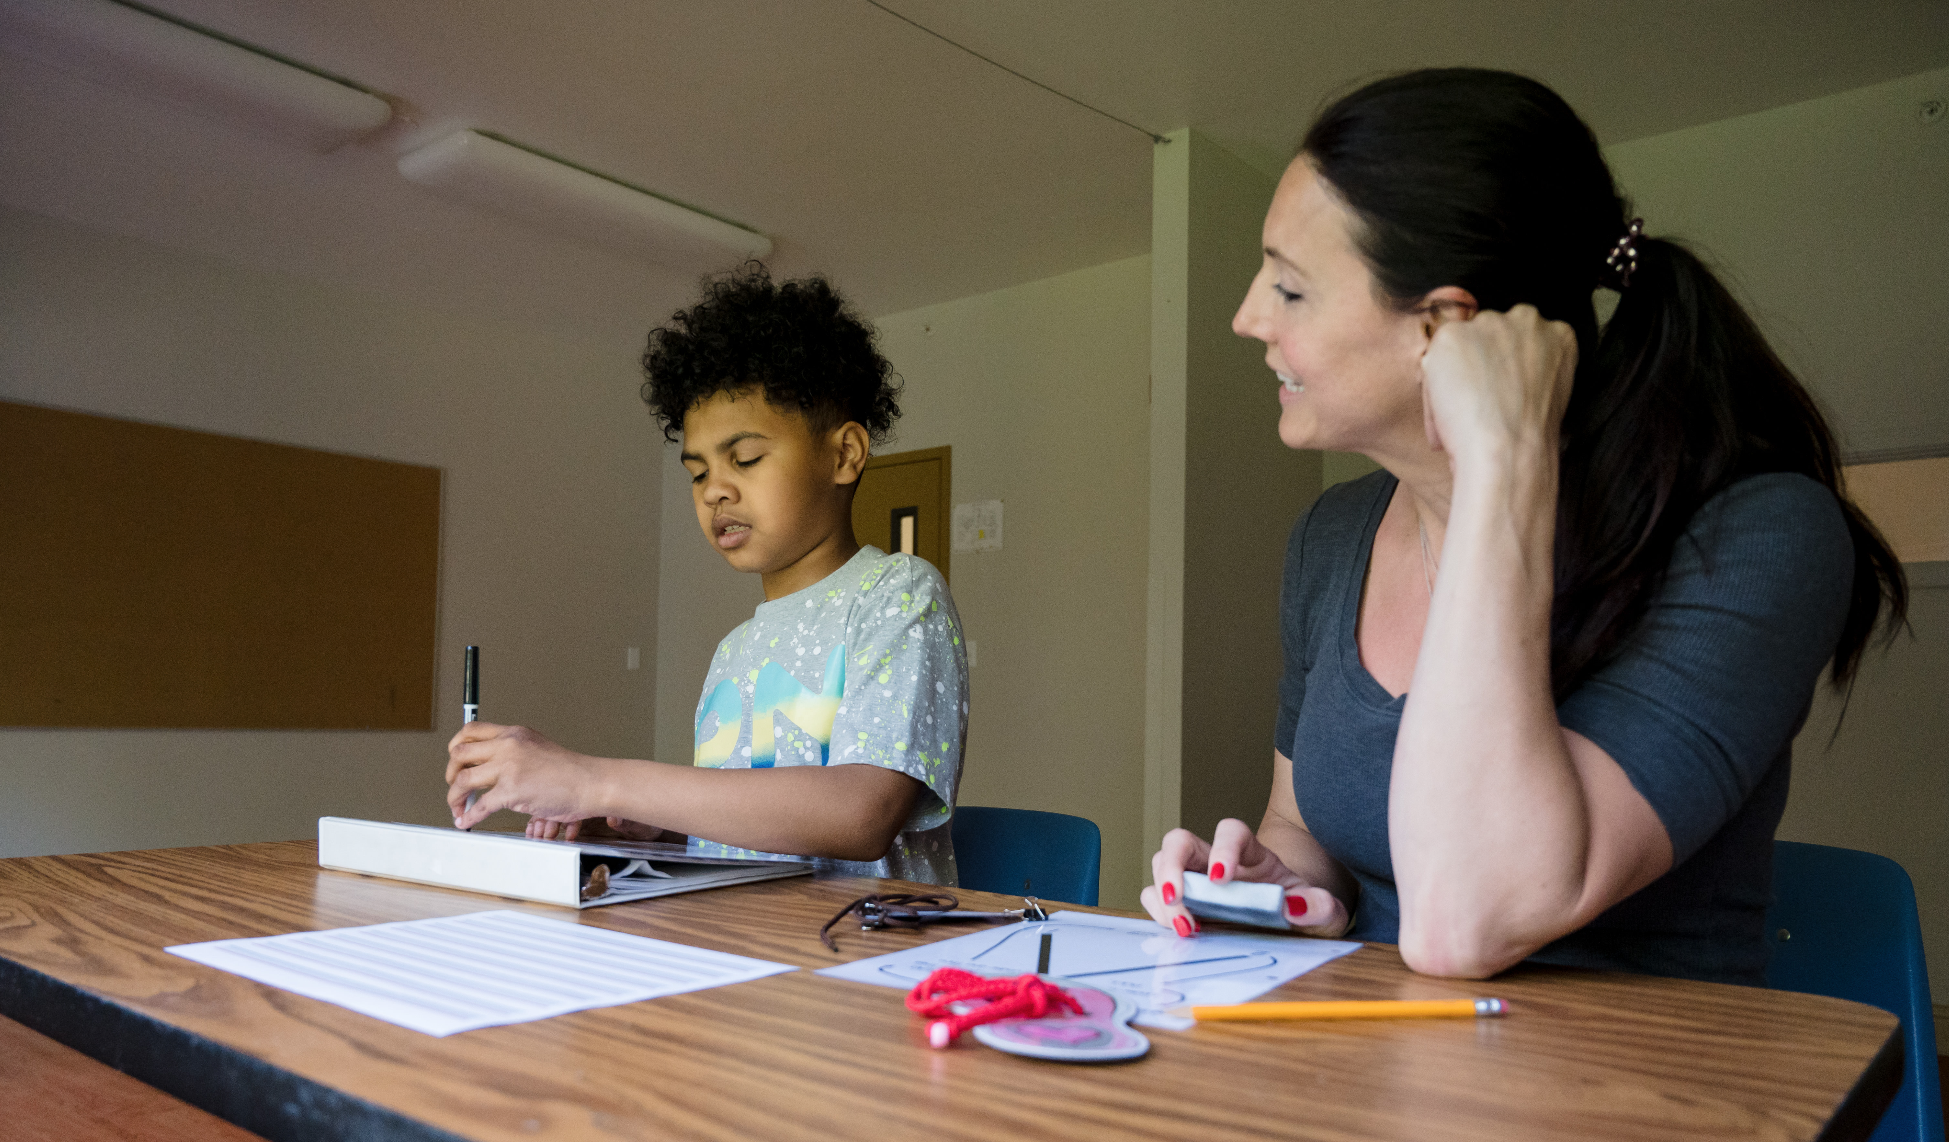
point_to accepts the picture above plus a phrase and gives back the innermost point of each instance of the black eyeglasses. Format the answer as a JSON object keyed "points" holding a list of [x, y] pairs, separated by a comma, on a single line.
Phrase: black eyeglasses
{"points": [[912, 909]]}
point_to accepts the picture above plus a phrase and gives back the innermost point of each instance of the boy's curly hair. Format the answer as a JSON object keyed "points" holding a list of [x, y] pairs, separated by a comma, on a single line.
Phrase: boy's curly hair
{"points": [[797, 342]]}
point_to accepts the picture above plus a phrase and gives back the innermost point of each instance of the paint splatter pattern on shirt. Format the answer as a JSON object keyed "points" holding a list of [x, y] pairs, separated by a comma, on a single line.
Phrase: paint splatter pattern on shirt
{"points": [[864, 667]]}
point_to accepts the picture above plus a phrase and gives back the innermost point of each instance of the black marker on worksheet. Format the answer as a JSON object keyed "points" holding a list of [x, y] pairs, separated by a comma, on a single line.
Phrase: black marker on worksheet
{"points": [[470, 698]]}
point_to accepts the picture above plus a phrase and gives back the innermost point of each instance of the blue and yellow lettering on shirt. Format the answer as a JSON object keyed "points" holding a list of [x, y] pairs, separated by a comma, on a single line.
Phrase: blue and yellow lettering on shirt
{"points": [[893, 693], [774, 692]]}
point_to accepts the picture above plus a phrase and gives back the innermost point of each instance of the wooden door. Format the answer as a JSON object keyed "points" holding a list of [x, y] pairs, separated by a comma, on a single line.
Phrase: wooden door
{"points": [[904, 501]]}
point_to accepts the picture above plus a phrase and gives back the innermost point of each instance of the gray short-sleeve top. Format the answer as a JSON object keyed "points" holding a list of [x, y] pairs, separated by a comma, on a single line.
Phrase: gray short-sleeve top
{"points": [[1699, 706]]}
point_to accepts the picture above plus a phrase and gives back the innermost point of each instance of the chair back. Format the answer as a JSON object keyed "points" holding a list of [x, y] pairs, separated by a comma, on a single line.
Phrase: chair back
{"points": [[1843, 923], [1027, 852]]}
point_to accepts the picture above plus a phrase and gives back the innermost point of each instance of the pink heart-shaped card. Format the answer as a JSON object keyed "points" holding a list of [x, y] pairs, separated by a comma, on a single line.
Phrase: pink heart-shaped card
{"points": [[1101, 1034]]}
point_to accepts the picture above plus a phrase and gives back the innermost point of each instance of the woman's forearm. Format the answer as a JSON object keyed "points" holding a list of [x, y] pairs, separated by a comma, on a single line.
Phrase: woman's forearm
{"points": [[1489, 822], [847, 812]]}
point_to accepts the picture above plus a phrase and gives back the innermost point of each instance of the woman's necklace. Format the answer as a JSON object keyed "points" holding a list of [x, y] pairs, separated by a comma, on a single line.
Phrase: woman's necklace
{"points": [[1427, 561]]}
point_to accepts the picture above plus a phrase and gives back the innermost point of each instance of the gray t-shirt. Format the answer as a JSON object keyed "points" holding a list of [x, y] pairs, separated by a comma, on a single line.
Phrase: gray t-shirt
{"points": [[1699, 706], [864, 667]]}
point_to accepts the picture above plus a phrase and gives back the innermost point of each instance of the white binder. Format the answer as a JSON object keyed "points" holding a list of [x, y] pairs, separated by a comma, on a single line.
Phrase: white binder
{"points": [[549, 872]]}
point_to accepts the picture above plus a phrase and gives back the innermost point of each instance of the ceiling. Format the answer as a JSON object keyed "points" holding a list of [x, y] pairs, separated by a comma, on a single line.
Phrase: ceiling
{"points": [[906, 168]]}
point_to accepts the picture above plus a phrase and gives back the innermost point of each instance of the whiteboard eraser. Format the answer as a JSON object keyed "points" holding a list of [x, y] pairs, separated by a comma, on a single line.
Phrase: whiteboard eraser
{"points": [[1257, 903]]}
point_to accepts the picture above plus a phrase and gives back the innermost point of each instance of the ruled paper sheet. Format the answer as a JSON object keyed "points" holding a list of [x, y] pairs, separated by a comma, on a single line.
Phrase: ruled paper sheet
{"points": [[483, 969]]}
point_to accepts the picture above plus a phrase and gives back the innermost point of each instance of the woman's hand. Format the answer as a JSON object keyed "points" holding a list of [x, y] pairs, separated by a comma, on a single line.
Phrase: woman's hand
{"points": [[513, 767], [1495, 382], [1234, 854]]}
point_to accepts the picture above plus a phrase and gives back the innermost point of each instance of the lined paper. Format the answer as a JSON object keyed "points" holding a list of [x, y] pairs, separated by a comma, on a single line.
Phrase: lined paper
{"points": [[483, 969]]}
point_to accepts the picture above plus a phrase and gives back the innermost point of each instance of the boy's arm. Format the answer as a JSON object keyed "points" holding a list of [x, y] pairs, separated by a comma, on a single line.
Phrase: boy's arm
{"points": [[848, 812]]}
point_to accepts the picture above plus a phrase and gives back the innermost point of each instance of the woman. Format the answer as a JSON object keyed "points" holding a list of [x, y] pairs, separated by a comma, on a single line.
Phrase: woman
{"points": [[1607, 567]]}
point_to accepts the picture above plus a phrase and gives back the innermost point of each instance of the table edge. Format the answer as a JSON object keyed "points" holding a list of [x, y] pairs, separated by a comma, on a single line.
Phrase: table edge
{"points": [[287, 1107], [1861, 1109], [231, 1084]]}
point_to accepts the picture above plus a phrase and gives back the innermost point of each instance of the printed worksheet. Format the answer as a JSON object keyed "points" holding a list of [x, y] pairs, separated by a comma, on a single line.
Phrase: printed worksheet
{"points": [[1155, 969], [482, 969]]}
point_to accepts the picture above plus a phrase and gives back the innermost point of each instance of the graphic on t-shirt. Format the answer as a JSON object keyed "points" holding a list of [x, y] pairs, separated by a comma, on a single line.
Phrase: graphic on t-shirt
{"points": [[727, 706], [807, 715], [893, 693]]}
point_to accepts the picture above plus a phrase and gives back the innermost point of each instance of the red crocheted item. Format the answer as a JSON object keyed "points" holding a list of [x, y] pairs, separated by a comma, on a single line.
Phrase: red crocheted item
{"points": [[1024, 997]]}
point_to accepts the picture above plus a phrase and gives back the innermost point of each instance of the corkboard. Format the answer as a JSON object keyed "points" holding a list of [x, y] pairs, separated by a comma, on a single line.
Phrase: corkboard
{"points": [[158, 577]]}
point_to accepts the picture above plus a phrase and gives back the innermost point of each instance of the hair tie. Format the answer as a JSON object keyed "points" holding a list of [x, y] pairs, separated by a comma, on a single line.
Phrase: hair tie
{"points": [[1623, 258]]}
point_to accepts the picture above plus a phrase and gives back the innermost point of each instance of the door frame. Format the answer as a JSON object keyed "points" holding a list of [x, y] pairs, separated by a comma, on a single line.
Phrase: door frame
{"points": [[945, 454]]}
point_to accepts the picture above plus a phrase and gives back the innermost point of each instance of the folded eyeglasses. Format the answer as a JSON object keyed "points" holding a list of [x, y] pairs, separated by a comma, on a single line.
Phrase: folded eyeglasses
{"points": [[911, 910]]}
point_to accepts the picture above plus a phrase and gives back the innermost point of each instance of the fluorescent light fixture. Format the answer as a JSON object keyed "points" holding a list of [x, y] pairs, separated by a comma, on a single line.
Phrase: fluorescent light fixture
{"points": [[152, 57], [510, 180]]}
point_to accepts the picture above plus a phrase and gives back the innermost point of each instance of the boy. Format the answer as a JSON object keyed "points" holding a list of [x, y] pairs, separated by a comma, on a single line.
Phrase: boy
{"points": [[832, 722]]}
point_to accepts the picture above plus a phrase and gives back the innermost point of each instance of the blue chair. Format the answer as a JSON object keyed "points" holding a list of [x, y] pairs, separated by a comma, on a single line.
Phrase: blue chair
{"points": [[1026, 852], [1843, 923]]}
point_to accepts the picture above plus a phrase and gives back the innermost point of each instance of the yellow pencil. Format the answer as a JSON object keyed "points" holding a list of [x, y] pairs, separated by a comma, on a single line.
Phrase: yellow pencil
{"points": [[1346, 1009]]}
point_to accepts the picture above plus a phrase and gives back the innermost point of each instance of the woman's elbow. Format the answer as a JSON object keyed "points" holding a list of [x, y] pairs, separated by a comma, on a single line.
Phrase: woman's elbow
{"points": [[1456, 954]]}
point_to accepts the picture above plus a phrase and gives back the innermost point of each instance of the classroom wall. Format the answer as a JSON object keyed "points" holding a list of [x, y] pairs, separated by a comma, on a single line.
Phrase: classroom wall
{"points": [[1223, 497], [1826, 217], [1040, 389], [549, 523]]}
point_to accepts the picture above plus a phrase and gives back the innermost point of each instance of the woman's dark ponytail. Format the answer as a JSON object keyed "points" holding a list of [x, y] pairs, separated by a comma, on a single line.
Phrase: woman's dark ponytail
{"points": [[1489, 181], [1687, 397]]}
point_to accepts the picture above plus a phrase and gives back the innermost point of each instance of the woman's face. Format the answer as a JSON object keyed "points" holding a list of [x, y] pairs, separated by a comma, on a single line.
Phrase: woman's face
{"points": [[1347, 363]]}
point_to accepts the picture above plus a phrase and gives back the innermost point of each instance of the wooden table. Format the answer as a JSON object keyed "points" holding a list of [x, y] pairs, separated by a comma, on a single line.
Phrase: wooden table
{"points": [[1581, 1055]]}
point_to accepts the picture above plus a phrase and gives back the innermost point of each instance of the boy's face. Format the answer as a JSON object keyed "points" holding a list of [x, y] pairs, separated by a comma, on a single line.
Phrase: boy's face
{"points": [[772, 496]]}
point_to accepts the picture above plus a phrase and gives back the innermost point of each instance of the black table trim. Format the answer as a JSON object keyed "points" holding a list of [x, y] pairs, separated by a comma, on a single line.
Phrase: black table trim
{"points": [[237, 1087], [1871, 1095]]}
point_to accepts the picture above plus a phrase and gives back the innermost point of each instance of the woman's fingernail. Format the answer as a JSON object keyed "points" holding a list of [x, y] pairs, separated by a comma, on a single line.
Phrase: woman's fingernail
{"points": [[1295, 906], [1218, 871], [1182, 924], [1170, 893], [1195, 926]]}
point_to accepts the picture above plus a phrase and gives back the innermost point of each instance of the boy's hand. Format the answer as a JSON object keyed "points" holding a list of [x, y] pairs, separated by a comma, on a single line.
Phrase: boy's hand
{"points": [[600, 828], [514, 767], [542, 828]]}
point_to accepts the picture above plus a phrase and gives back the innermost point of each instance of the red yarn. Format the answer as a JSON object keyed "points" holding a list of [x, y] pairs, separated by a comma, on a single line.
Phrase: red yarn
{"points": [[1023, 996]]}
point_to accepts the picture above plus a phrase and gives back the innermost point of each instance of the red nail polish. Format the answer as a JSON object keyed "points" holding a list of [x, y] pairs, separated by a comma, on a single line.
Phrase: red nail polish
{"points": [[1170, 893], [1182, 925], [1195, 926], [1295, 906], [1218, 871]]}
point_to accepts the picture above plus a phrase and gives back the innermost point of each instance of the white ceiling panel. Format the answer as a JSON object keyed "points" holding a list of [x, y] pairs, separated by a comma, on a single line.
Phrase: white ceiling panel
{"points": [[909, 170]]}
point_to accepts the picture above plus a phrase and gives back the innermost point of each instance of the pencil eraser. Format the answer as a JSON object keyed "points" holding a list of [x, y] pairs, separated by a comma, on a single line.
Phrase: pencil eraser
{"points": [[1259, 904]]}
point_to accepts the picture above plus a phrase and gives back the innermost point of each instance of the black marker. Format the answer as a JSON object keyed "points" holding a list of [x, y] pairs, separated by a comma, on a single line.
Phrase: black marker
{"points": [[470, 699], [470, 687]]}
